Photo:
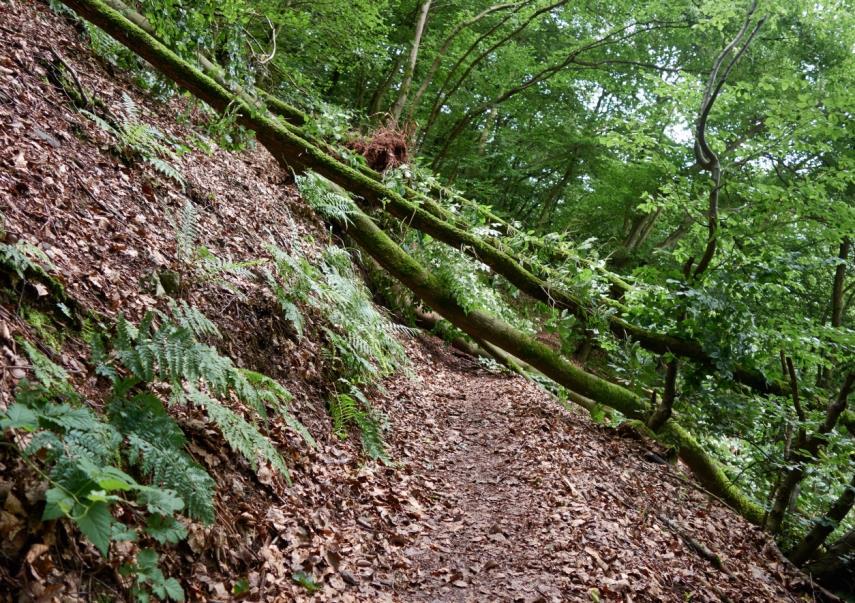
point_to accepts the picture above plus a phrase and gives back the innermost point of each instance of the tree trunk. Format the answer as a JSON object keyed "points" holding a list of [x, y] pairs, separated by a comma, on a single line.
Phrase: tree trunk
{"points": [[663, 412], [555, 192], [805, 452], [383, 87], [837, 563], [825, 526], [447, 44], [428, 216], [291, 150], [404, 91]]}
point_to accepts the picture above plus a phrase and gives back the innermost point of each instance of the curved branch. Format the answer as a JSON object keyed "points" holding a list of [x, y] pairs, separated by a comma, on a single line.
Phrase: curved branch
{"points": [[706, 158], [447, 44]]}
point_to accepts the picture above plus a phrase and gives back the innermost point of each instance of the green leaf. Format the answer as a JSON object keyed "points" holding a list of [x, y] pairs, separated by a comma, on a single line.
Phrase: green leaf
{"points": [[59, 504], [307, 581], [111, 478], [123, 533], [95, 524], [156, 500], [19, 416], [166, 530], [173, 589]]}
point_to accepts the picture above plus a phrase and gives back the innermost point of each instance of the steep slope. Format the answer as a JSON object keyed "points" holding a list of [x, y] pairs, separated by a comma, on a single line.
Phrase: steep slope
{"points": [[495, 492]]}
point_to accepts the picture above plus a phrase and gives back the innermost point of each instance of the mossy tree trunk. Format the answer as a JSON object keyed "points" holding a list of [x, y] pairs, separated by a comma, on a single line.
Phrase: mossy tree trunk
{"points": [[292, 150], [416, 210]]}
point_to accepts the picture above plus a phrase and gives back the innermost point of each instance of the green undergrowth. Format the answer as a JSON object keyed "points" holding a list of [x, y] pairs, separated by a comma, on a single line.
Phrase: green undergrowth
{"points": [[362, 344], [125, 458]]}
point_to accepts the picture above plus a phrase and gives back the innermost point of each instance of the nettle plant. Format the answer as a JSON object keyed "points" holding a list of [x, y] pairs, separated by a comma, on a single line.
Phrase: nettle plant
{"points": [[130, 461]]}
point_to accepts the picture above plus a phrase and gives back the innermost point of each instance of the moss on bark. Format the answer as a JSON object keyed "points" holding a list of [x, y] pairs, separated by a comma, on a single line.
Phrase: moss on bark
{"points": [[291, 149]]}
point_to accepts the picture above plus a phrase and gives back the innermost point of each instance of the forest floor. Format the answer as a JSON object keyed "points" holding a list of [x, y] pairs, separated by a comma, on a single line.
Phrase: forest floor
{"points": [[495, 492]]}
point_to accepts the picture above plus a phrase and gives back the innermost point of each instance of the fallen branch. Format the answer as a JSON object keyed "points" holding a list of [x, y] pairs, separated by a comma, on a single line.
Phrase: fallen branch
{"points": [[693, 543]]}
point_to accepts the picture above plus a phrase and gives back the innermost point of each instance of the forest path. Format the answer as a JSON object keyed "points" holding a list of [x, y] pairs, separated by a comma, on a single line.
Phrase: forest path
{"points": [[524, 501]]}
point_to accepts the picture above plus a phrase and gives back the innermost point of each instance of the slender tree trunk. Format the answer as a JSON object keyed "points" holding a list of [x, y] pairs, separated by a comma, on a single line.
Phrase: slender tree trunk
{"points": [[804, 453], [638, 233], [437, 61], [383, 88], [837, 305], [556, 190], [404, 91], [663, 412], [837, 563], [441, 95], [825, 526]]}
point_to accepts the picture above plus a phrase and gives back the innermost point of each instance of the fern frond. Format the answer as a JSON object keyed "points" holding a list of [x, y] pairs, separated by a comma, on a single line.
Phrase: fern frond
{"points": [[167, 169], [156, 447], [193, 319], [52, 376], [318, 194], [186, 231], [242, 436]]}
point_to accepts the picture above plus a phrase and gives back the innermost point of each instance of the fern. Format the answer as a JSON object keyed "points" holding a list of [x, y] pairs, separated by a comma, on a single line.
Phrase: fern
{"points": [[353, 408], [136, 138], [362, 343], [330, 204], [191, 318], [171, 353], [23, 258], [156, 448], [186, 232], [85, 454], [242, 436]]}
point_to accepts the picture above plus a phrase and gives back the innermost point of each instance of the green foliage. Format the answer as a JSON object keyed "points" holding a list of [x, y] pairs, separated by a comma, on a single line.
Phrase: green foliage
{"points": [[351, 407], [199, 263], [23, 258], [166, 349], [307, 581], [88, 456], [362, 343], [318, 194], [137, 139], [149, 579], [85, 455], [155, 447]]}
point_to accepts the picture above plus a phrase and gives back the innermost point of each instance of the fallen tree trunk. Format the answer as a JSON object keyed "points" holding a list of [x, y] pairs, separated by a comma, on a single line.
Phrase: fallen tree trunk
{"points": [[292, 151], [423, 213]]}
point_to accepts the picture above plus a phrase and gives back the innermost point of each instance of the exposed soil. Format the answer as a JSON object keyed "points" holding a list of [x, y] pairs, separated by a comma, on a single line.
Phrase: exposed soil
{"points": [[496, 492]]}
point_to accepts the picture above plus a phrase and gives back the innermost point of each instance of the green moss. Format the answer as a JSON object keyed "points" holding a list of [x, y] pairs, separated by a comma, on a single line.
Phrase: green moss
{"points": [[44, 327], [710, 473]]}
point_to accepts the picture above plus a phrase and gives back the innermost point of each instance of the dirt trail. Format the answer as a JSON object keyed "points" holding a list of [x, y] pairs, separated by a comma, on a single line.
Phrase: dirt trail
{"points": [[527, 502]]}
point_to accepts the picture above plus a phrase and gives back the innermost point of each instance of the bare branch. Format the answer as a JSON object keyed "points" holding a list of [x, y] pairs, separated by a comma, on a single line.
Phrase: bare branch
{"points": [[705, 157]]}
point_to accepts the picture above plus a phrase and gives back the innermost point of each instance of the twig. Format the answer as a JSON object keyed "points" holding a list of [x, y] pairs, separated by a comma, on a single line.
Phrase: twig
{"points": [[695, 545], [73, 73]]}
